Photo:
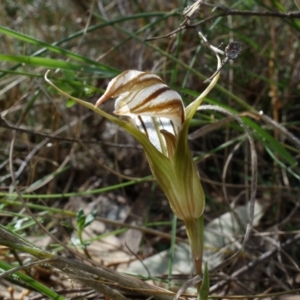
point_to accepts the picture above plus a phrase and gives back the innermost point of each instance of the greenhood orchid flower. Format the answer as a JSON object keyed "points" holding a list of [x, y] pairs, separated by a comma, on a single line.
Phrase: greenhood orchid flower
{"points": [[160, 125], [158, 112]]}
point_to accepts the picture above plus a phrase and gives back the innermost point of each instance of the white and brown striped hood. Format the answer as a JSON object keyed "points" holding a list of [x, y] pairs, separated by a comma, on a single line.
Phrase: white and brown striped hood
{"points": [[152, 105]]}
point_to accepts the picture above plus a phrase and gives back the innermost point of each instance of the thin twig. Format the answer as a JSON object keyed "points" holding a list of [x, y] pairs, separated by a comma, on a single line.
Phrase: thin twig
{"points": [[23, 267], [84, 272], [266, 255], [5, 124], [228, 12]]}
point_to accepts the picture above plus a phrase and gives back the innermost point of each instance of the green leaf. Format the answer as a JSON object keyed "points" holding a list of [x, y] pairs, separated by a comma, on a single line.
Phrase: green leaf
{"points": [[90, 218], [69, 75], [70, 103], [80, 219]]}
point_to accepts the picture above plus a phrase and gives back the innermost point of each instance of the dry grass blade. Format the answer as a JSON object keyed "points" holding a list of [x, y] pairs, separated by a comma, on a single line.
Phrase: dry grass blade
{"points": [[257, 116], [209, 128], [190, 12], [297, 2], [262, 258], [87, 274]]}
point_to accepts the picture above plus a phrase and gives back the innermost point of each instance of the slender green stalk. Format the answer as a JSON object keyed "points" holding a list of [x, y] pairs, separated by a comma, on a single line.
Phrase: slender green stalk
{"points": [[172, 248], [35, 285], [195, 232], [67, 195]]}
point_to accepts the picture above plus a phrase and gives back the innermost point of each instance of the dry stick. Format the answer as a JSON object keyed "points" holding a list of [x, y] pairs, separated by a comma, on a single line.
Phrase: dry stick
{"points": [[225, 168], [5, 124], [191, 12], [258, 261], [185, 25], [23, 267], [253, 154], [283, 130], [79, 270], [232, 51], [209, 128], [139, 259], [265, 295], [207, 44], [125, 282], [86, 291]]}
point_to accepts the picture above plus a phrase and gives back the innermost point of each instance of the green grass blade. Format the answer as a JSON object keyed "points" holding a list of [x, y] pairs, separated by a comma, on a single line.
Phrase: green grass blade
{"points": [[262, 134], [35, 285], [67, 195], [271, 142], [54, 63], [55, 49]]}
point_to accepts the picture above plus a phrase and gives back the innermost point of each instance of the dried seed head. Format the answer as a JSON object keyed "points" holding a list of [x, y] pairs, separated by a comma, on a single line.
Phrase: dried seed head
{"points": [[233, 50]]}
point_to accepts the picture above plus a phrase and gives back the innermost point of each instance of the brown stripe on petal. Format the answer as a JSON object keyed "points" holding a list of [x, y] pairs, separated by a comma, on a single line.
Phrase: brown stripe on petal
{"points": [[151, 97], [131, 102], [140, 82], [123, 104], [143, 125], [123, 83], [169, 109], [174, 106], [174, 128]]}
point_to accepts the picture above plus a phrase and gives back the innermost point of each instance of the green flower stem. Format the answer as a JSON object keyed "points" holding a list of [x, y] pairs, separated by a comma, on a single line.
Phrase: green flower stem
{"points": [[195, 232]]}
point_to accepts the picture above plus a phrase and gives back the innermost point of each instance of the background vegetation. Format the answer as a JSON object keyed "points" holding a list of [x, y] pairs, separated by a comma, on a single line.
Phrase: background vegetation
{"points": [[87, 182]]}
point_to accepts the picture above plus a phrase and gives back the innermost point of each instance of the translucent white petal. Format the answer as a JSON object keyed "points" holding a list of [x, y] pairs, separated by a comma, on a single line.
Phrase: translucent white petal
{"points": [[152, 126]]}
